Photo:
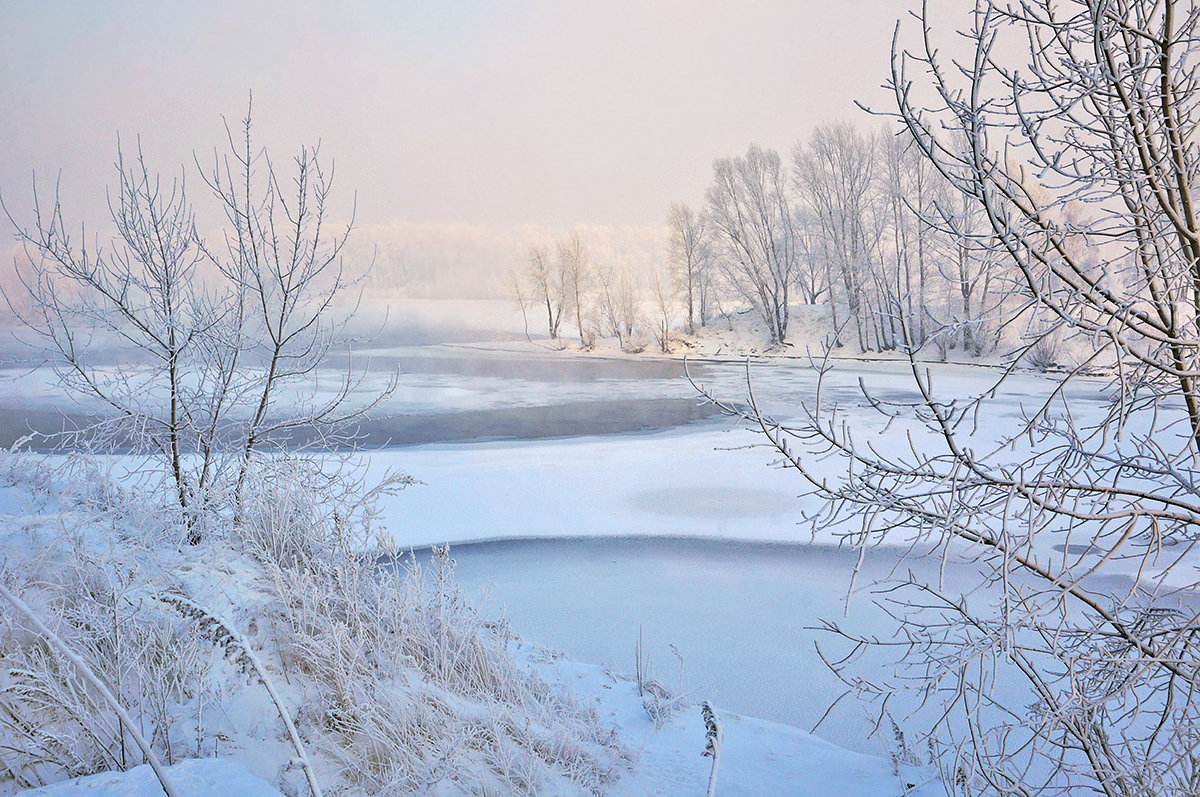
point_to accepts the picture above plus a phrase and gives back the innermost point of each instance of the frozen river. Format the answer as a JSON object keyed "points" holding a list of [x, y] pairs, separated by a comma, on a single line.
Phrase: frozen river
{"points": [[460, 392]]}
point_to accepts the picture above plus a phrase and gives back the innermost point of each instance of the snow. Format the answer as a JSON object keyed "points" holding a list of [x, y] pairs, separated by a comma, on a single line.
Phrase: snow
{"points": [[758, 759], [673, 483], [198, 777], [700, 480], [13, 500]]}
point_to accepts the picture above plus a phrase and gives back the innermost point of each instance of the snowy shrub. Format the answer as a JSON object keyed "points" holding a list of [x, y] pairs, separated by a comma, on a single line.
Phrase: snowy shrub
{"points": [[18, 467], [660, 703], [472, 719], [53, 723], [1045, 353], [281, 645], [301, 508]]}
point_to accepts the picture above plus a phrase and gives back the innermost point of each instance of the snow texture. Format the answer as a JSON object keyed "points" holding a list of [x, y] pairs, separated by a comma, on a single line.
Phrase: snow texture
{"points": [[198, 777]]}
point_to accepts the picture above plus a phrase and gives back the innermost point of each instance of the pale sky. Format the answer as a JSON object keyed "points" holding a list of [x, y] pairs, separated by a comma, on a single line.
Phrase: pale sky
{"points": [[554, 113]]}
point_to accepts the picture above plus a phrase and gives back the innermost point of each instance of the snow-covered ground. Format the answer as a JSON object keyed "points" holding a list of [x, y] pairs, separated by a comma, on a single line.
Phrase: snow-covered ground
{"points": [[47, 528], [758, 759], [696, 479], [197, 777]]}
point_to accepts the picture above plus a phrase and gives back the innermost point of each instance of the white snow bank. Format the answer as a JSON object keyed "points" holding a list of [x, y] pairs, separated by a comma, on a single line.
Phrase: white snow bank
{"points": [[197, 777], [211, 646], [758, 759]]}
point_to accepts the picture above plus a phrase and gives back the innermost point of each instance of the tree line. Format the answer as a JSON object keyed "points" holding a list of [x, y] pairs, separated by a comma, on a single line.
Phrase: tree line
{"points": [[846, 225], [563, 283]]}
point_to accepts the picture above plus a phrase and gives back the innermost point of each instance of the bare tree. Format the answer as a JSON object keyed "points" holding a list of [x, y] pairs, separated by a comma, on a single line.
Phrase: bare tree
{"points": [[1079, 154], [690, 261], [517, 290], [548, 286], [617, 303], [813, 275], [287, 273], [576, 268], [142, 293], [16, 297], [973, 271], [910, 188], [665, 302], [753, 219], [216, 336], [835, 177]]}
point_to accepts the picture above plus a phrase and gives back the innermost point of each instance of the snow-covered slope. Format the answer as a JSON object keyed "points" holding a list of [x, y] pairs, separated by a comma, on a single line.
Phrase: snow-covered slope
{"points": [[564, 727], [758, 758], [198, 777]]}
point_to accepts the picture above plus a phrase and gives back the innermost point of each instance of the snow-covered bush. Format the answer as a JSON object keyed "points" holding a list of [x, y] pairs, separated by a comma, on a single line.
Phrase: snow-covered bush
{"points": [[94, 591], [280, 642], [358, 634], [658, 701]]}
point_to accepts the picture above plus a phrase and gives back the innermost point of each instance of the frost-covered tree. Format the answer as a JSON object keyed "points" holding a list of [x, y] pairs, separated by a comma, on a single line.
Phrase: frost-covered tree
{"points": [[691, 261], [753, 226], [972, 264], [575, 265], [617, 303], [835, 176], [218, 334], [1072, 665], [283, 264], [143, 292], [547, 286], [907, 269], [812, 278], [665, 300]]}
